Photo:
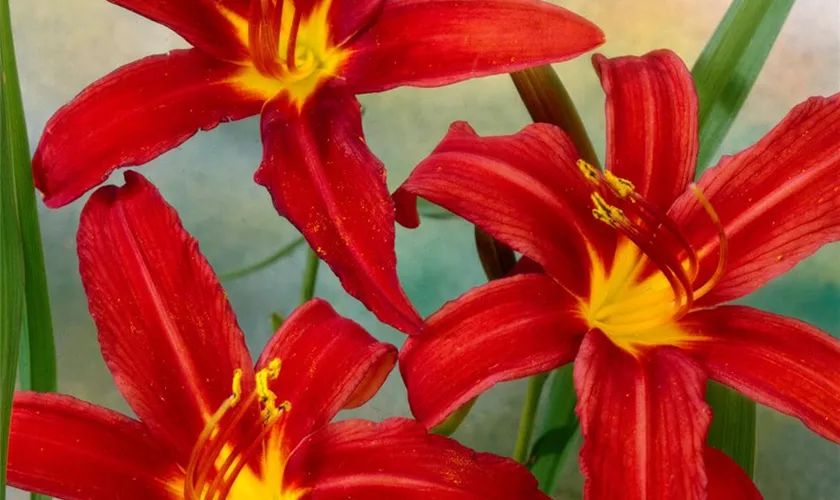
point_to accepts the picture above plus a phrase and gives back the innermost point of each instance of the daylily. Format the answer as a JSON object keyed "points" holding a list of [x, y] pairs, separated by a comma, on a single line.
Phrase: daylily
{"points": [[211, 424], [636, 264], [300, 63]]}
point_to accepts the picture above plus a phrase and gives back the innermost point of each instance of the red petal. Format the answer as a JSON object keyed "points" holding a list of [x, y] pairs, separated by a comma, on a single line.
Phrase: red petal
{"points": [[398, 460], [328, 363], [431, 43], [780, 362], [70, 449], [651, 110], [348, 17], [524, 189], [165, 327], [206, 24], [777, 200], [727, 481], [132, 116], [322, 176], [504, 330], [643, 421]]}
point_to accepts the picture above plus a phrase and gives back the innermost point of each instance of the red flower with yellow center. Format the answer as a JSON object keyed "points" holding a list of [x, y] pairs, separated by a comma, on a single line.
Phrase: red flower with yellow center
{"points": [[635, 264], [300, 63], [211, 424]]}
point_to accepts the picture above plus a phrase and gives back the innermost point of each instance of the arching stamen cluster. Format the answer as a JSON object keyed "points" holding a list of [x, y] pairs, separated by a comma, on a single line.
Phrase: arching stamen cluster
{"points": [[266, 41], [206, 478], [617, 204]]}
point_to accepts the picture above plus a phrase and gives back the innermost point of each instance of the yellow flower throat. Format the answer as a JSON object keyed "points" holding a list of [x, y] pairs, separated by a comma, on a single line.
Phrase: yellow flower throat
{"points": [[291, 51], [633, 306]]}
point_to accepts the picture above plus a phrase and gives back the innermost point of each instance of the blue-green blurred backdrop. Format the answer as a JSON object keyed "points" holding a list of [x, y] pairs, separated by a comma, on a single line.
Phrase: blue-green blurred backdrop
{"points": [[65, 44]]}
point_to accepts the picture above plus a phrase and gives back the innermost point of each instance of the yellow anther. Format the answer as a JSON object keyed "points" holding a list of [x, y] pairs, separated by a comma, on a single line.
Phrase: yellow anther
{"points": [[591, 173], [602, 217], [236, 393], [622, 187], [267, 398], [607, 213]]}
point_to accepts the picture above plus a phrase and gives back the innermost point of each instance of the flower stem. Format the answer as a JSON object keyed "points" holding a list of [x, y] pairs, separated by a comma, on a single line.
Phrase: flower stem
{"points": [[548, 101], [529, 414], [310, 275]]}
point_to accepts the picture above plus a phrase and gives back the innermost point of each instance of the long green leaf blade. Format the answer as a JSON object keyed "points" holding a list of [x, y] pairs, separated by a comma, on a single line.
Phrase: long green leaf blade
{"points": [[724, 75], [730, 63], [11, 279], [38, 364], [268, 261], [559, 429]]}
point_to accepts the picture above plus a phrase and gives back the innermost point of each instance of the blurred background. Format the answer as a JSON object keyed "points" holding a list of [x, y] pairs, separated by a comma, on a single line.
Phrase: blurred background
{"points": [[65, 45]]}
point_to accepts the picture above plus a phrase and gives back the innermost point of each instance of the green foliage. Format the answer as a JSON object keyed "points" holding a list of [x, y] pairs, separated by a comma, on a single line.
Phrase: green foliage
{"points": [[729, 65], [13, 150]]}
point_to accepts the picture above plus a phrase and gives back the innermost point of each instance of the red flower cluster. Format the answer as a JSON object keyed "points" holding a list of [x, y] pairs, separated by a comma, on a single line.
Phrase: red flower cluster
{"points": [[624, 271]]}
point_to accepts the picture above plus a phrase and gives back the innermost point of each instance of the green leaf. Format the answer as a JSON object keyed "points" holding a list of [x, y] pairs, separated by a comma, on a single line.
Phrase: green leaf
{"points": [[733, 425], [12, 271], [268, 261], [724, 74], [729, 65], [559, 430]]}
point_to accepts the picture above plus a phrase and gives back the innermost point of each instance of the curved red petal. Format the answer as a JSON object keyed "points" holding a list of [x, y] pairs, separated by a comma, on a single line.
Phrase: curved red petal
{"points": [[66, 448], [325, 180], [780, 362], [209, 25], [431, 43], [507, 329], [652, 121], [166, 330], [643, 420], [523, 189], [727, 481], [777, 200], [398, 460], [328, 363], [132, 116]]}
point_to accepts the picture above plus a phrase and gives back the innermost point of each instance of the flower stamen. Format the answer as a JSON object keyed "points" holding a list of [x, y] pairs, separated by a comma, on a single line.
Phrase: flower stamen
{"points": [[214, 439]]}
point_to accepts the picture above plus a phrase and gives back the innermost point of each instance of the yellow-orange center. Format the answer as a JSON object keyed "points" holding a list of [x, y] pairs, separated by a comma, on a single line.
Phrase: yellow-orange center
{"points": [[291, 51], [240, 459], [633, 306]]}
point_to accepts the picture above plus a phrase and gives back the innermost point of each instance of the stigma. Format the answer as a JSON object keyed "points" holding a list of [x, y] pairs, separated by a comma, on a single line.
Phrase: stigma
{"points": [[233, 437], [630, 299]]}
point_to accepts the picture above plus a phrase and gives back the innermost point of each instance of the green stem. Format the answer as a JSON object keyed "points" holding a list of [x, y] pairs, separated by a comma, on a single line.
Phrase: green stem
{"points": [[258, 266], [453, 421], [310, 275], [529, 414], [548, 101]]}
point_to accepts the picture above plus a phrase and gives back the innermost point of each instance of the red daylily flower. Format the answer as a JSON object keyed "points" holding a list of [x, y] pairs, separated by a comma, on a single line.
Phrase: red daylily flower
{"points": [[212, 426], [636, 264], [300, 63]]}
